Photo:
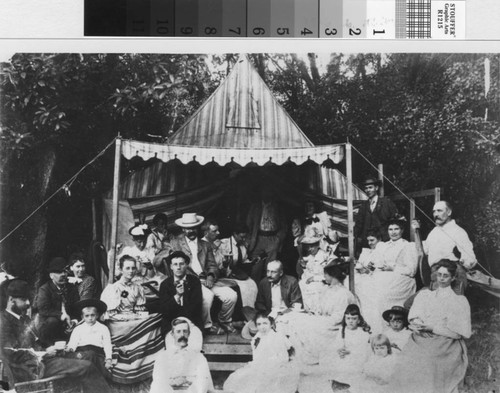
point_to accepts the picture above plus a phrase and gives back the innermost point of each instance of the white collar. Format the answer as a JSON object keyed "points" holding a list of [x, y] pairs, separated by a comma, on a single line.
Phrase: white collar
{"points": [[18, 317]]}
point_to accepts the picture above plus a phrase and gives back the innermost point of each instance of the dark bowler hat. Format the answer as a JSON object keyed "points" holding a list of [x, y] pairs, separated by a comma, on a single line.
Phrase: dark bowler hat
{"points": [[18, 288], [177, 254], [371, 180], [98, 304], [57, 265], [395, 310]]}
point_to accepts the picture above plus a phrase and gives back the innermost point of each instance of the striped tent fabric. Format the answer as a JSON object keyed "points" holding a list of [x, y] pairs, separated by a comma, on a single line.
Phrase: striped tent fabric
{"points": [[150, 191], [241, 113], [135, 346]]}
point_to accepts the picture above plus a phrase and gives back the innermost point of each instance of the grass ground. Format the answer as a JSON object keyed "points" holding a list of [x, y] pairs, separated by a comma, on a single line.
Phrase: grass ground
{"points": [[483, 374]]}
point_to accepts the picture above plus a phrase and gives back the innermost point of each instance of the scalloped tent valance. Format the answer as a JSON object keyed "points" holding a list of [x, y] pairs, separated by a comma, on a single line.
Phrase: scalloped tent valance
{"points": [[222, 156]]}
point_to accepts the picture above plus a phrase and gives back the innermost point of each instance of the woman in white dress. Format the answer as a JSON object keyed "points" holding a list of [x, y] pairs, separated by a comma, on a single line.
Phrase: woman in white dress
{"points": [[311, 282], [309, 331], [393, 277], [365, 280], [132, 330], [124, 296], [435, 357], [271, 369]]}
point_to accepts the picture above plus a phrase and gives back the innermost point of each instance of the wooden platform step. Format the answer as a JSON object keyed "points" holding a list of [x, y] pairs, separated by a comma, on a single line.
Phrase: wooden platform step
{"points": [[227, 352]]}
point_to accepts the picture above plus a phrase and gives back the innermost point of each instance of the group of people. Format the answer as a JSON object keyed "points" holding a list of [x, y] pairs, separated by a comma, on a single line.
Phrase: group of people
{"points": [[308, 332]]}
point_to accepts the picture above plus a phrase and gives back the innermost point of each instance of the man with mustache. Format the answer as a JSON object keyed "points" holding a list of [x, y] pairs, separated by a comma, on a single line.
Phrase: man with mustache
{"points": [[448, 241], [203, 265], [54, 301], [180, 367], [17, 337]]}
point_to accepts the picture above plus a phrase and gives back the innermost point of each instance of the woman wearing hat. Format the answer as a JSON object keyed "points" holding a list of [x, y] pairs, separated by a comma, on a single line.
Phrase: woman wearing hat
{"points": [[138, 251], [312, 263], [310, 331], [393, 276]]}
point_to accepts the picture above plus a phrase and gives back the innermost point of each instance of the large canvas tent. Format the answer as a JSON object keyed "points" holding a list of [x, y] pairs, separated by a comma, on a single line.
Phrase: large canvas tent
{"points": [[238, 140]]}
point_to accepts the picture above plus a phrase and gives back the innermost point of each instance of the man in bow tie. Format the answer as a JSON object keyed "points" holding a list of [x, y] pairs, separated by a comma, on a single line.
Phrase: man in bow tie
{"points": [[86, 285], [374, 213], [180, 294]]}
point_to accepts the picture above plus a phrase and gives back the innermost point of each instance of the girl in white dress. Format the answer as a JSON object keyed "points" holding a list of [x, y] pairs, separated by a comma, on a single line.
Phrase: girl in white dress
{"points": [[378, 370], [350, 349], [271, 369]]}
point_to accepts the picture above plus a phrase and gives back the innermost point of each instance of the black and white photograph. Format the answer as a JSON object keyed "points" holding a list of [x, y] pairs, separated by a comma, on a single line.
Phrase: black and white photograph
{"points": [[255, 222]]}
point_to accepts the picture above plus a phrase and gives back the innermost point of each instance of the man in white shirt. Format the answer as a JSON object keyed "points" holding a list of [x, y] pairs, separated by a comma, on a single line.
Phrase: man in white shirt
{"points": [[448, 241], [203, 266], [180, 367]]}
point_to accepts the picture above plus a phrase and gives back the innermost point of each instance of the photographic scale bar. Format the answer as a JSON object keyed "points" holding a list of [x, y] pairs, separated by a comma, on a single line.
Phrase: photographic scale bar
{"points": [[355, 19]]}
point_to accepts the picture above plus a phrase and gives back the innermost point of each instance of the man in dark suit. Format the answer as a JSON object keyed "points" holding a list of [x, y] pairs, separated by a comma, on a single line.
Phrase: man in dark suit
{"points": [[16, 334], [180, 294], [277, 291], [54, 302], [204, 267], [373, 213]]}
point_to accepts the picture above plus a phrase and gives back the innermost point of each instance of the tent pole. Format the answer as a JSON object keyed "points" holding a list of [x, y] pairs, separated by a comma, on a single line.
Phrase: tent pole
{"points": [[381, 179], [350, 215], [114, 219]]}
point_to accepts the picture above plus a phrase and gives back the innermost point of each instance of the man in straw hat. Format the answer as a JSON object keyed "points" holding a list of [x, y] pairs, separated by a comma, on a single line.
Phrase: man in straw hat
{"points": [[203, 265], [54, 302], [373, 213], [17, 336]]}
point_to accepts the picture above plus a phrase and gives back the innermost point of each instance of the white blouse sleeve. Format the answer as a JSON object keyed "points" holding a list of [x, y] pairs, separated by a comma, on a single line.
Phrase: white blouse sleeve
{"points": [[407, 261], [110, 297], [458, 319]]}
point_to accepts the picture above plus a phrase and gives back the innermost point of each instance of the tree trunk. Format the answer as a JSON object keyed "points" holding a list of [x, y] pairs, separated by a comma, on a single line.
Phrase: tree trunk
{"points": [[24, 252]]}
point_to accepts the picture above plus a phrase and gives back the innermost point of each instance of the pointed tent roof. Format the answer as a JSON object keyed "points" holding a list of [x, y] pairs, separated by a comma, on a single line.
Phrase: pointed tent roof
{"points": [[241, 113]]}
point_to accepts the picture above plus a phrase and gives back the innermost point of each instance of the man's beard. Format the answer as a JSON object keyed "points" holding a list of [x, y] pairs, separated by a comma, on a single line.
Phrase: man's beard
{"points": [[18, 310]]}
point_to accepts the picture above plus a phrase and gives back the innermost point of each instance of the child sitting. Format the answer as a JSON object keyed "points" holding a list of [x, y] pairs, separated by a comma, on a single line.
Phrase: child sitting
{"points": [[350, 348], [380, 366], [397, 332], [91, 339]]}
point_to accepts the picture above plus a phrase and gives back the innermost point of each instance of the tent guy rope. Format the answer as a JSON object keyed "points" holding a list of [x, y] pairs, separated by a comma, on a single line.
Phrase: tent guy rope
{"points": [[409, 199], [64, 186]]}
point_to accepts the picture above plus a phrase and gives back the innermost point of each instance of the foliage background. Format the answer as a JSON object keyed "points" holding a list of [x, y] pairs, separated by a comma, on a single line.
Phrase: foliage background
{"points": [[421, 115]]}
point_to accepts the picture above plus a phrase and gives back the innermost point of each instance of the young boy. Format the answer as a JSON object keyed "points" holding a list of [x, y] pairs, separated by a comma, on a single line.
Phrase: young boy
{"points": [[91, 339]]}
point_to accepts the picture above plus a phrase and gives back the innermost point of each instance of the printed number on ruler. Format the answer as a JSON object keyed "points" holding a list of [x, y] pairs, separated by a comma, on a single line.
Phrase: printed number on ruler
{"points": [[162, 27], [235, 31], [259, 31], [306, 32], [283, 31], [330, 31], [186, 30], [354, 32], [210, 30], [138, 26]]}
